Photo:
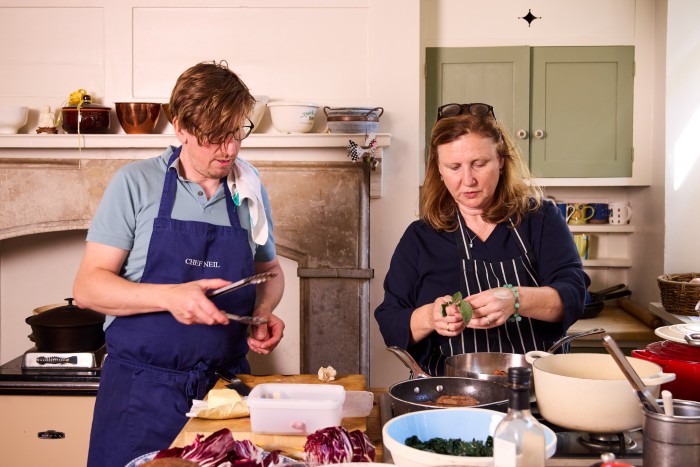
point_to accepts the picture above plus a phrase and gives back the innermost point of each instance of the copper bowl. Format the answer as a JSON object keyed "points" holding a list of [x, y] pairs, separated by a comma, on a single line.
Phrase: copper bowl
{"points": [[166, 111], [138, 117], [93, 119]]}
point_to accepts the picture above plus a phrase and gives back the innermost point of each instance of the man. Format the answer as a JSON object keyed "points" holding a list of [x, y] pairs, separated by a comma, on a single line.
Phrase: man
{"points": [[169, 230]]}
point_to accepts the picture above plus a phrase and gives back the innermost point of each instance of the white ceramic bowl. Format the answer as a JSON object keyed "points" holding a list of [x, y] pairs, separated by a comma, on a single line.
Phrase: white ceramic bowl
{"points": [[258, 111], [463, 423], [12, 118], [292, 116]]}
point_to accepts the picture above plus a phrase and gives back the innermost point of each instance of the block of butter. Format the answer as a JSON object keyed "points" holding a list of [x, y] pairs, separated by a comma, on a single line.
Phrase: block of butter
{"points": [[220, 404]]}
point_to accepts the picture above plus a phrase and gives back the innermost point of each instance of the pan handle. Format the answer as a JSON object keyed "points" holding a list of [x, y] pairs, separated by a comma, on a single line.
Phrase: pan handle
{"points": [[410, 363], [566, 339], [614, 288]]}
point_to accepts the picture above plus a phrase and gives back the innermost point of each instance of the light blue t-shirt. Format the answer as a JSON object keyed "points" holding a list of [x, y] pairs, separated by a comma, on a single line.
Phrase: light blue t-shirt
{"points": [[124, 218]]}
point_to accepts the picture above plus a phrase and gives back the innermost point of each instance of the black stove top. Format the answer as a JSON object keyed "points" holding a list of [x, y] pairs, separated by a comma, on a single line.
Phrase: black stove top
{"points": [[626, 445], [67, 379]]}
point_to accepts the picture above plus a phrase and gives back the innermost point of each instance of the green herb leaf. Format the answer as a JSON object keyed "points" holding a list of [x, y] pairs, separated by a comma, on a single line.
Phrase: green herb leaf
{"points": [[466, 310]]}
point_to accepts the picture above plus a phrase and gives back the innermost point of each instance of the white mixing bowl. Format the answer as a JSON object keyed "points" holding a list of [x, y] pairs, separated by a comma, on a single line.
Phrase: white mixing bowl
{"points": [[12, 118], [258, 111], [292, 116]]}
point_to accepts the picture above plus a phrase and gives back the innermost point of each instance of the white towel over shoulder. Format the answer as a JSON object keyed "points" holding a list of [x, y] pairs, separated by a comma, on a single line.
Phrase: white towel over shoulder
{"points": [[249, 188]]}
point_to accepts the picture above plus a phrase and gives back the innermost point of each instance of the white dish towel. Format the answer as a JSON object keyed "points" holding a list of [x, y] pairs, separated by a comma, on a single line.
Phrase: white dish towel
{"points": [[245, 181]]}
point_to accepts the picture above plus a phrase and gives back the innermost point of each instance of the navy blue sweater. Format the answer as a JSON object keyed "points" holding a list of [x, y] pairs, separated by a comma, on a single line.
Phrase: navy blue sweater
{"points": [[426, 265]]}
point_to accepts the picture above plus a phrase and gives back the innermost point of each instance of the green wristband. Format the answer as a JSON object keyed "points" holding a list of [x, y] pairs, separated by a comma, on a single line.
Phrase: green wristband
{"points": [[515, 316]]}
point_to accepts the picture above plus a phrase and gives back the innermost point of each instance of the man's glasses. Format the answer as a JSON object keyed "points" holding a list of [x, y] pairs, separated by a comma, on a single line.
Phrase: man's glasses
{"points": [[239, 134], [452, 110], [243, 131]]}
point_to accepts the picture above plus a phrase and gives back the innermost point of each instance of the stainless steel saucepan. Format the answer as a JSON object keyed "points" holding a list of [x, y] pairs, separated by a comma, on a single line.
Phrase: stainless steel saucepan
{"points": [[493, 366]]}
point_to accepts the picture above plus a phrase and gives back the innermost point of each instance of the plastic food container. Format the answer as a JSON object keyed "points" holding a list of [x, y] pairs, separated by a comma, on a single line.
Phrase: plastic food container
{"points": [[295, 409]]}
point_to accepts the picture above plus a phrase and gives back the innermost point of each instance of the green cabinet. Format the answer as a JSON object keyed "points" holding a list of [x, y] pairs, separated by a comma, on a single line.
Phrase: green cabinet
{"points": [[569, 109]]}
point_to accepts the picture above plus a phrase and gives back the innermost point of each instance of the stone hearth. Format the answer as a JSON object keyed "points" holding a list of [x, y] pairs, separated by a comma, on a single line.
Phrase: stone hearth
{"points": [[320, 207]]}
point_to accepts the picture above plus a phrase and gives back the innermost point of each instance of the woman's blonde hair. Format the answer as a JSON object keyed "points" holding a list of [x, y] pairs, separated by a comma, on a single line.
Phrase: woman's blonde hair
{"points": [[515, 194], [209, 101]]}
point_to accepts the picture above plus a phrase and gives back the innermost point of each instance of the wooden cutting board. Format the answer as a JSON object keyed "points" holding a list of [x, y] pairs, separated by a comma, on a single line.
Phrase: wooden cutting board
{"points": [[290, 445]]}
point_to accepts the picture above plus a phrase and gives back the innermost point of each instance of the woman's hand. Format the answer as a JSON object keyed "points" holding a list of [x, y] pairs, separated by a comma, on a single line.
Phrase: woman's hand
{"points": [[491, 307], [452, 323]]}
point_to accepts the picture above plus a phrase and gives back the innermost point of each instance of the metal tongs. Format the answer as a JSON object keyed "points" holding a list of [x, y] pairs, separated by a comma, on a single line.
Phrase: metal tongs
{"points": [[256, 279], [641, 390], [251, 280]]}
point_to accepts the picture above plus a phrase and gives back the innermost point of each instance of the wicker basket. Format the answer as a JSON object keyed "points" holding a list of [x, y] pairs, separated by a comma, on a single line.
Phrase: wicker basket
{"points": [[678, 295]]}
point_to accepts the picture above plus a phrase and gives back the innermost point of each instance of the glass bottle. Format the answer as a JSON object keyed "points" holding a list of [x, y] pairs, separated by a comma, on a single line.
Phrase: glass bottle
{"points": [[519, 437]]}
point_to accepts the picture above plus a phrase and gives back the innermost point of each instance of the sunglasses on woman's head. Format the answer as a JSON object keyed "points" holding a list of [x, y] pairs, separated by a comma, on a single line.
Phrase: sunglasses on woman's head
{"points": [[452, 110]]}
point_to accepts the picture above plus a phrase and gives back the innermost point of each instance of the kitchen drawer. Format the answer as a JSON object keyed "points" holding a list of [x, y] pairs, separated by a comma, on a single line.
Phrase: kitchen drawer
{"points": [[24, 417]]}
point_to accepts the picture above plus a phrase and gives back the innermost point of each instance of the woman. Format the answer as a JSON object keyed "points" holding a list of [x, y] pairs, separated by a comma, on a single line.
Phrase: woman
{"points": [[486, 231]]}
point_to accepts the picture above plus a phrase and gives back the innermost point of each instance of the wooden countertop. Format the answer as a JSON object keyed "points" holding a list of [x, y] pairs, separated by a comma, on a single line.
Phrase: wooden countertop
{"points": [[290, 445], [627, 330], [372, 425]]}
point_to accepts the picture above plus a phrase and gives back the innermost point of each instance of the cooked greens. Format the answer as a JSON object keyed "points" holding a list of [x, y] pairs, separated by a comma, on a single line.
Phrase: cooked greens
{"points": [[453, 447]]}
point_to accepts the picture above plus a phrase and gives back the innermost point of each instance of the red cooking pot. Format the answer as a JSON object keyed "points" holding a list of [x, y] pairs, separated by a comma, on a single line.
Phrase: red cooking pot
{"points": [[681, 359]]}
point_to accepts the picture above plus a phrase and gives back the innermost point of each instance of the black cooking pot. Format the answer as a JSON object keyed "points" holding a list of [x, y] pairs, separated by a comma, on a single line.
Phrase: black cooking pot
{"points": [[595, 301], [421, 393], [67, 328]]}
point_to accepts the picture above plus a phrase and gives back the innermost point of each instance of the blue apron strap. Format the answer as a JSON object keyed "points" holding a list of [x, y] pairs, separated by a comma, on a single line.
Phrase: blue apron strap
{"points": [[167, 198]]}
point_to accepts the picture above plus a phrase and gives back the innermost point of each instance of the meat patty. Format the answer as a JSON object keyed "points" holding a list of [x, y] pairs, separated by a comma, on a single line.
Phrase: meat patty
{"points": [[456, 401]]}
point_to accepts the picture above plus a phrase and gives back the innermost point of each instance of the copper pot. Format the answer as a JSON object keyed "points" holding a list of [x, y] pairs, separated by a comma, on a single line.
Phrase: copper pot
{"points": [[88, 118]]}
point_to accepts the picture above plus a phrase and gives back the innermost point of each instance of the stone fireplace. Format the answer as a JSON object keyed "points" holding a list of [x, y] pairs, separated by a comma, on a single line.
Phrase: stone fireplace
{"points": [[320, 202]]}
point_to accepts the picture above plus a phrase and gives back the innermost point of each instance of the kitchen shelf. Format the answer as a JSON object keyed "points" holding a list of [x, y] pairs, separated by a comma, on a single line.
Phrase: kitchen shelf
{"points": [[304, 147], [604, 229], [120, 141], [601, 228]]}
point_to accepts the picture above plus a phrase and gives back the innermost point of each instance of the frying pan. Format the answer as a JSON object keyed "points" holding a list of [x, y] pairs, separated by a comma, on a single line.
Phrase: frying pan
{"points": [[595, 301], [419, 394]]}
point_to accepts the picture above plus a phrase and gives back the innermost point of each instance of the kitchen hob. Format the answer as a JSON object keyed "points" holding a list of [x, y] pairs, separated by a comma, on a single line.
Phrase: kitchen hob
{"points": [[56, 373], [573, 448]]}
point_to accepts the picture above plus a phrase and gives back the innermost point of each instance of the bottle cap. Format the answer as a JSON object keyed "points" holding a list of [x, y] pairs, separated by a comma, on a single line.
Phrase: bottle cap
{"points": [[519, 375]]}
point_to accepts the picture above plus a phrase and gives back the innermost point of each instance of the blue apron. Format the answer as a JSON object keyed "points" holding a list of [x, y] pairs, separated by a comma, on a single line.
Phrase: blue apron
{"points": [[155, 365]]}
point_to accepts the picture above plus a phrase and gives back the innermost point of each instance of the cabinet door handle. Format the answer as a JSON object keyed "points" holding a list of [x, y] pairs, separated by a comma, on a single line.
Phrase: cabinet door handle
{"points": [[539, 134], [521, 134], [51, 434]]}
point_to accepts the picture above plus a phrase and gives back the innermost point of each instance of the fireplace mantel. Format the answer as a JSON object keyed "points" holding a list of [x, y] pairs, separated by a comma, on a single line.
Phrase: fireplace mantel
{"points": [[320, 202], [302, 147]]}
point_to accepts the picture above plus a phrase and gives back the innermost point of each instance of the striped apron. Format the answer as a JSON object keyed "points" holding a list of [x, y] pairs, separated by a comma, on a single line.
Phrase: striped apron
{"points": [[477, 276]]}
